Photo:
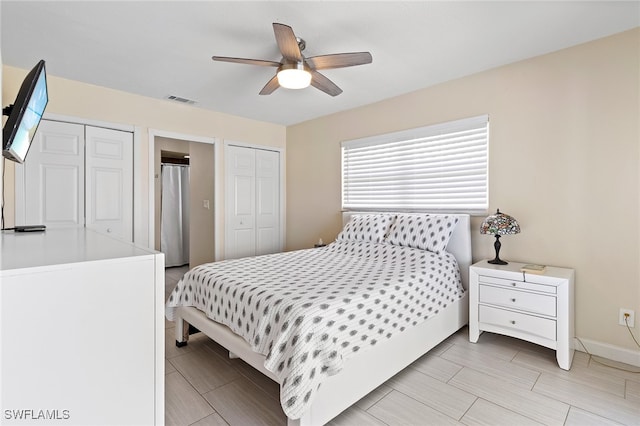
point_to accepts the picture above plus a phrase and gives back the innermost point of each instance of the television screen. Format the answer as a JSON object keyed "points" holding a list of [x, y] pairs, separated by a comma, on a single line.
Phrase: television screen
{"points": [[25, 114]]}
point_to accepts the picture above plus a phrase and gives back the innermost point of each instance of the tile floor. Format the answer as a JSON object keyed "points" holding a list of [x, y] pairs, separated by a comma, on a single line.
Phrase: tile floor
{"points": [[498, 381]]}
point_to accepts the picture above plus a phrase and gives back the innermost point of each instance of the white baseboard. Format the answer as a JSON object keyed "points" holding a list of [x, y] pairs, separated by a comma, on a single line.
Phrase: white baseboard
{"points": [[605, 350]]}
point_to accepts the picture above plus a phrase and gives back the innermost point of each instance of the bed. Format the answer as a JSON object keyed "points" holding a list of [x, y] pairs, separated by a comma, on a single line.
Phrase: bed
{"points": [[326, 323]]}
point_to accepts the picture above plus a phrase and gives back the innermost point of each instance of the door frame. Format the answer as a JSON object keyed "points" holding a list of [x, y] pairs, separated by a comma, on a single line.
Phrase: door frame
{"points": [[218, 214]]}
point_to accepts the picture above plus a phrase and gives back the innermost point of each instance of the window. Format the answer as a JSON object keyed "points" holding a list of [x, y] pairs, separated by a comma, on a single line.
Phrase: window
{"points": [[435, 168]]}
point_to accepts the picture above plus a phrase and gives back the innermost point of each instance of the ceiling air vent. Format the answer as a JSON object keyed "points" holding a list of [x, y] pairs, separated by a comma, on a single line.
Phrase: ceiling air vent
{"points": [[179, 99]]}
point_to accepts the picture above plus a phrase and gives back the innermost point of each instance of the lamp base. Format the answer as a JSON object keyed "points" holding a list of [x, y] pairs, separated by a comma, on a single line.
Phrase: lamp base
{"points": [[497, 260]]}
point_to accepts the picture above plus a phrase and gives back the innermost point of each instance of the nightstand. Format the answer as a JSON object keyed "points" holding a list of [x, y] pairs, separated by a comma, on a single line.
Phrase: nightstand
{"points": [[531, 307]]}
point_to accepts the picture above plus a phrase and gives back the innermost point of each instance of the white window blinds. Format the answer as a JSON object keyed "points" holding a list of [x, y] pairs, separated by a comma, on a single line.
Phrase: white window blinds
{"points": [[436, 168]]}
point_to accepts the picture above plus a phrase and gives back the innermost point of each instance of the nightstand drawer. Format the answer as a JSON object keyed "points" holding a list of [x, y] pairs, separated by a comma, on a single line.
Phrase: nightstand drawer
{"points": [[530, 324], [518, 284], [521, 300]]}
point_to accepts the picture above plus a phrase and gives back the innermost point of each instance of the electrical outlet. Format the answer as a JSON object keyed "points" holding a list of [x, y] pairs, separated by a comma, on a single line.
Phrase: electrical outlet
{"points": [[631, 317]]}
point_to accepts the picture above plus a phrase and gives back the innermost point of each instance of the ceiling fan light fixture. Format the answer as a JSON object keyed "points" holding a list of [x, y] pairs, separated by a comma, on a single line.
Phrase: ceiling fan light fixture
{"points": [[294, 76]]}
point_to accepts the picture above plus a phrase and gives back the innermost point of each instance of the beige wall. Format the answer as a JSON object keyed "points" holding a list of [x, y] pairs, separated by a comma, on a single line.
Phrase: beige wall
{"points": [[202, 226], [201, 186], [76, 99], [564, 161]]}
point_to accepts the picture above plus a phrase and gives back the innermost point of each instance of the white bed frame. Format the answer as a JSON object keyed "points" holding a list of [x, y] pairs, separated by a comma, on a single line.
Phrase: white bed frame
{"points": [[366, 371]]}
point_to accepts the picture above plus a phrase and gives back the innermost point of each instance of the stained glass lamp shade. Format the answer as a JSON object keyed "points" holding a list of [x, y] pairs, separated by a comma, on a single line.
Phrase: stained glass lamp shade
{"points": [[499, 224]]}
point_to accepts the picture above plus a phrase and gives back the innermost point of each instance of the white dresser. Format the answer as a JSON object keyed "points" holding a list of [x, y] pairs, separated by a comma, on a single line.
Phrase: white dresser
{"points": [[536, 308], [82, 330]]}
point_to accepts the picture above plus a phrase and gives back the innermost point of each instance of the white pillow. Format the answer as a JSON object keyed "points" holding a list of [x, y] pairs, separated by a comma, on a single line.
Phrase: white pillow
{"points": [[425, 232], [367, 227]]}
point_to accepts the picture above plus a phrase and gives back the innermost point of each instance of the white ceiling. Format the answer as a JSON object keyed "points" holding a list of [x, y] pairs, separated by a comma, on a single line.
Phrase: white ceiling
{"points": [[161, 48]]}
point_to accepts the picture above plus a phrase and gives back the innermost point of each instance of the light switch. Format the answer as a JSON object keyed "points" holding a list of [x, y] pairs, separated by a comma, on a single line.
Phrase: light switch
{"points": [[205, 204]]}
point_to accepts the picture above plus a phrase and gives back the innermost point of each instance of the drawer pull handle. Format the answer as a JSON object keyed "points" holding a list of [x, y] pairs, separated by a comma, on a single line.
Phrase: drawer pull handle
{"points": [[512, 322], [513, 284], [513, 300]]}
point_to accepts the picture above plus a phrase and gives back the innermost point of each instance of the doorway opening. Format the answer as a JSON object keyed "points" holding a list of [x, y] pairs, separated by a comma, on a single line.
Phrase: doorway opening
{"points": [[191, 206]]}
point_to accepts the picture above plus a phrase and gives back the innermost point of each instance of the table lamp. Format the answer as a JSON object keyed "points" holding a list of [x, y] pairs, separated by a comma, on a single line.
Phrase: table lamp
{"points": [[499, 224]]}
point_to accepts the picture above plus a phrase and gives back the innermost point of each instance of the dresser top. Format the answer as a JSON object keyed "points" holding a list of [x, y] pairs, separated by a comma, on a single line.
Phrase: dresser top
{"points": [[512, 270], [20, 250]]}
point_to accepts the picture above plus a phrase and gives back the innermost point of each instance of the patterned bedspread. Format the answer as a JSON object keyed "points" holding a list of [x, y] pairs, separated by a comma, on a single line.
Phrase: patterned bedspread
{"points": [[309, 311]]}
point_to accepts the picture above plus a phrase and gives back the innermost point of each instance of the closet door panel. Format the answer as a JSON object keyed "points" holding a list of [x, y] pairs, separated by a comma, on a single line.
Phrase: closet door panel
{"points": [[50, 185], [240, 202], [60, 201], [243, 189], [267, 202], [109, 180], [252, 199]]}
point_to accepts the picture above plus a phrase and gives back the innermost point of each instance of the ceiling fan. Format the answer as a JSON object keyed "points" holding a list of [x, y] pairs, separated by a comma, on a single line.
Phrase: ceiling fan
{"points": [[297, 72]]}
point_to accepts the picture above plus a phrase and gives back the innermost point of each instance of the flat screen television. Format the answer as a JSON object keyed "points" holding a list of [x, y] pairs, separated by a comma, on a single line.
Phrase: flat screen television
{"points": [[25, 114]]}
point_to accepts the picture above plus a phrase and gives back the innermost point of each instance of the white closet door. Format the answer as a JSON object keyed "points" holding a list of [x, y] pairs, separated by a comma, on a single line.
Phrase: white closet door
{"points": [[50, 184], [267, 202], [109, 182], [240, 211], [252, 199]]}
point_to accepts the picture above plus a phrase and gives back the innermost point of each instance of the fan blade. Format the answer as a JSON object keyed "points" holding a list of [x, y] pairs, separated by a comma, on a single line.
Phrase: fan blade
{"points": [[339, 60], [271, 86], [246, 61], [321, 82], [287, 42]]}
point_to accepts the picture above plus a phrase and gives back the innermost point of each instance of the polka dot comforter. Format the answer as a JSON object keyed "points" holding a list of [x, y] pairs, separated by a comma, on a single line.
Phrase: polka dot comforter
{"points": [[309, 311]]}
